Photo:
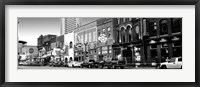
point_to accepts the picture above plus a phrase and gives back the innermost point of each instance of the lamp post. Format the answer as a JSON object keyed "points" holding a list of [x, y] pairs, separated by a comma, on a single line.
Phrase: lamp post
{"points": [[85, 44]]}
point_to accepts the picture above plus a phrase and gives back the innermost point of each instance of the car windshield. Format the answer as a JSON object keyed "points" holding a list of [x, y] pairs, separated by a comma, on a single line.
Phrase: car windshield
{"points": [[115, 59], [172, 60], [91, 60]]}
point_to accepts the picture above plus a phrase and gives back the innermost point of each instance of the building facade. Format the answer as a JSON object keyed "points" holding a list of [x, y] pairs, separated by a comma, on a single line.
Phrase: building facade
{"points": [[68, 25], [45, 43], [31, 52], [163, 39], [85, 42], [21, 44], [105, 34], [69, 46], [129, 40]]}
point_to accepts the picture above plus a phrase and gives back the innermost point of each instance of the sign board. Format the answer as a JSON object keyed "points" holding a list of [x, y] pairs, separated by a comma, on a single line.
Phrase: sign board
{"points": [[31, 50], [102, 38]]}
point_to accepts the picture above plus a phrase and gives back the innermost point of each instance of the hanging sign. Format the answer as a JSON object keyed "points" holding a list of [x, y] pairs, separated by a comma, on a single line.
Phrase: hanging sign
{"points": [[102, 38]]}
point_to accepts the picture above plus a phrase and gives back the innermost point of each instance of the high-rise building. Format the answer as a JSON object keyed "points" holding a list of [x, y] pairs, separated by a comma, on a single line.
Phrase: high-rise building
{"points": [[69, 24]]}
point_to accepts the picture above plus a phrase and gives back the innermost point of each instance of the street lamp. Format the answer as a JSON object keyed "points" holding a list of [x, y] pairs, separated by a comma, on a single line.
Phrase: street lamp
{"points": [[85, 44]]}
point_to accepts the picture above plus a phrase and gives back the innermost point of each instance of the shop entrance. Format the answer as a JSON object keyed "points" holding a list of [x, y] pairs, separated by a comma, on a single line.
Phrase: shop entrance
{"points": [[127, 54]]}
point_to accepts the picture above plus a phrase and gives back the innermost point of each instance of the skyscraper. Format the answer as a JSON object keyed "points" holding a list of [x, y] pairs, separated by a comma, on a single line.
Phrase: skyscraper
{"points": [[69, 24]]}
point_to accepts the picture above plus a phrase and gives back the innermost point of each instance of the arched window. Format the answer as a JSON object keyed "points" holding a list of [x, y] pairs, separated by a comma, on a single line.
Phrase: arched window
{"points": [[152, 29], [163, 27], [176, 25], [70, 44], [118, 36], [122, 34], [129, 33], [137, 29], [70, 59]]}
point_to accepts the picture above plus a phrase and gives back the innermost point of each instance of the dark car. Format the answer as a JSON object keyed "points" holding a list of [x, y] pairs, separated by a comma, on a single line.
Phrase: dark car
{"points": [[114, 63], [34, 63], [89, 64], [57, 63]]}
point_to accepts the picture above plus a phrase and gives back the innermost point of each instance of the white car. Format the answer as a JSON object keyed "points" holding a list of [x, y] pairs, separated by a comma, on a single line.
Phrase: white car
{"points": [[173, 63], [74, 64]]}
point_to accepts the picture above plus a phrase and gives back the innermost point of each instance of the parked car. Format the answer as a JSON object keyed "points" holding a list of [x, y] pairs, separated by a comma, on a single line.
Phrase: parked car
{"points": [[23, 63], [34, 63], [57, 62], [74, 64], [172, 63], [88, 64], [118, 62]]}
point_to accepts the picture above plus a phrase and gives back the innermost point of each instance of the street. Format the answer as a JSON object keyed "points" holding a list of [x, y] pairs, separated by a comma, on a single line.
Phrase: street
{"points": [[47, 67]]}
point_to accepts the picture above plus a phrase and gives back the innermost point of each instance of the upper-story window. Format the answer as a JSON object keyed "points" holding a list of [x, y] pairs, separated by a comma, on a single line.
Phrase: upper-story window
{"points": [[118, 21], [130, 19], [163, 27], [137, 29], [152, 29], [124, 19], [109, 32], [129, 33], [104, 30], [70, 45], [176, 25]]}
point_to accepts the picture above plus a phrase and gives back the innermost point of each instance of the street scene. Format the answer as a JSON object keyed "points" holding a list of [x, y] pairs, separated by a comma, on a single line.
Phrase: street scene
{"points": [[99, 43]]}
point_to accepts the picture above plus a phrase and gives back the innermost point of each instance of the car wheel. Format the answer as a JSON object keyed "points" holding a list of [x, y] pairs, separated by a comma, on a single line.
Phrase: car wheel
{"points": [[181, 67], [113, 67], [122, 67], [72, 65], [101, 67], [89, 66], [163, 67]]}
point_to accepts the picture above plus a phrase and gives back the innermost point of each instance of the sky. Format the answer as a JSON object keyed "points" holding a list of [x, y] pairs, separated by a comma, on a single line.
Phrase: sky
{"points": [[29, 29]]}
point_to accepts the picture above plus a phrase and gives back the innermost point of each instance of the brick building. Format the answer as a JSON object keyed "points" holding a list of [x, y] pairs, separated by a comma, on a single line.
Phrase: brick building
{"points": [[105, 34], [142, 41], [45, 42], [163, 39], [85, 38]]}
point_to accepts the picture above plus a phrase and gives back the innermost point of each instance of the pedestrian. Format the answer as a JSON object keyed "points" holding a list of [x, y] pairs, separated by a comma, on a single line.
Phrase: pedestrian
{"points": [[157, 62]]}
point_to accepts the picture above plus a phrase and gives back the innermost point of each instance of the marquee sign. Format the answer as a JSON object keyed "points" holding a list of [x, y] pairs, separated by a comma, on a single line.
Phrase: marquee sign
{"points": [[31, 50], [102, 38]]}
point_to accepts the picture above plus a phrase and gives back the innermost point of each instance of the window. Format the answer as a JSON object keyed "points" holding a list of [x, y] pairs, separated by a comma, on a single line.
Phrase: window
{"points": [[90, 37], [104, 30], [108, 29], [124, 19], [137, 29], [122, 34], [71, 45], [163, 27], [176, 25], [152, 29], [164, 45], [109, 32], [154, 53], [130, 19], [118, 36], [118, 20], [177, 44], [180, 59], [153, 46], [94, 36], [99, 32], [86, 38], [129, 33]]}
